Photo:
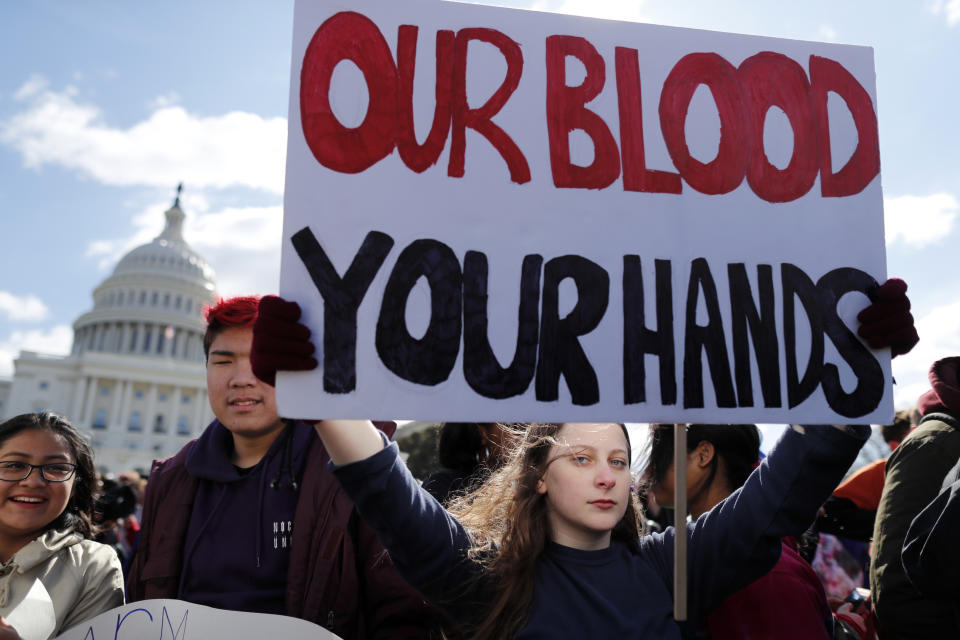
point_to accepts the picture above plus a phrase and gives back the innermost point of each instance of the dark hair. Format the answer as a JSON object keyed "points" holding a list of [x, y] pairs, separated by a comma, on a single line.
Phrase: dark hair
{"points": [[227, 313], [460, 446], [507, 520], [78, 513], [737, 444], [897, 431]]}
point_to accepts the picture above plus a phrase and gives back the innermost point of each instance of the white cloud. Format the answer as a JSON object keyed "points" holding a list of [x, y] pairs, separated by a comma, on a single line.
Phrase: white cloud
{"points": [[34, 85], [241, 273], [233, 149], [165, 100], [147, 224], [22, 308], [248, 228], [939, 338], [242, 244], [919, 220], [950, 9], [827, 32], [54, 341]]}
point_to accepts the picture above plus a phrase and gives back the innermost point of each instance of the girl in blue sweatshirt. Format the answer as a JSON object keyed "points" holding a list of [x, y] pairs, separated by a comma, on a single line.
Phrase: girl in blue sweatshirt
{"points": [[552, 545]]}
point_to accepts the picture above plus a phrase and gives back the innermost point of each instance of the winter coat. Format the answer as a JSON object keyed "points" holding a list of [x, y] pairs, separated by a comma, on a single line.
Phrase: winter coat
{"points": [[915, 473], [338, 577], [83, 577]]}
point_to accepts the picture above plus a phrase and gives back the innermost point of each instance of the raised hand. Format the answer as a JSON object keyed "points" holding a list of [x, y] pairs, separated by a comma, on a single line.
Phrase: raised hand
{"points": [[280, 341], [887, 322]]}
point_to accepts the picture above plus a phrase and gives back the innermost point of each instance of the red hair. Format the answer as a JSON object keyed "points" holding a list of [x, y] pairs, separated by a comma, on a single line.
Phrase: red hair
{"points": [[231, 312]]}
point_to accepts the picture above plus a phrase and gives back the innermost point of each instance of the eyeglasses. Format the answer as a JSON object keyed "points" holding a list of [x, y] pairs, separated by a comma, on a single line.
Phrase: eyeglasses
{"points": [[51, 472]]}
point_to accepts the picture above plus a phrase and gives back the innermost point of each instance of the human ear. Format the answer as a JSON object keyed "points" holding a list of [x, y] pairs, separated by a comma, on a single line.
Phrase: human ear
{"points": [[704, 453], [541, 486]]}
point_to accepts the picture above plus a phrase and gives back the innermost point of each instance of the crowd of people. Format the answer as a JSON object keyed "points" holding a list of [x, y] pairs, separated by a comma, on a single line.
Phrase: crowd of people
{"points": [[530, 531]]}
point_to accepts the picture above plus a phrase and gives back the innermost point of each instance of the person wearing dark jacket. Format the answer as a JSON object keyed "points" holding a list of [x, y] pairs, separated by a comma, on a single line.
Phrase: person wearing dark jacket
{"points": [[931, 555], [247, 517], [914, 476], [720, 458]]}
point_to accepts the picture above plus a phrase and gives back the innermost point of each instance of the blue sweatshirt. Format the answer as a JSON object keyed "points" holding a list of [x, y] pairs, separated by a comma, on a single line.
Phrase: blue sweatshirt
{"points": [[618, 592], [237, 548]]}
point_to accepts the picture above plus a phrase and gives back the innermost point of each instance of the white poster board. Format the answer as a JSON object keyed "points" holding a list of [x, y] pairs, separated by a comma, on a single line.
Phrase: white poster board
{"points": [[180, 620], [496, 214], [34, 617]]}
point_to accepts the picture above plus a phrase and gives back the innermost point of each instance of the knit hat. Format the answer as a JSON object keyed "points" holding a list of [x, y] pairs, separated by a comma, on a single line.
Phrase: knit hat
{"points": [[945, 395]]}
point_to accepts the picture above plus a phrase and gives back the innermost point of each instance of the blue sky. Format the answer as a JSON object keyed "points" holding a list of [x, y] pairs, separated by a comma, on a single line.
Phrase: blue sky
{"points": [[105, 107]]}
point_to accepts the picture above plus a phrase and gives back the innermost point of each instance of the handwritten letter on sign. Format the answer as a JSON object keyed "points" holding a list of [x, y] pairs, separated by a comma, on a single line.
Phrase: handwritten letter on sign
{"points": [[495, 214], [180, 620]]}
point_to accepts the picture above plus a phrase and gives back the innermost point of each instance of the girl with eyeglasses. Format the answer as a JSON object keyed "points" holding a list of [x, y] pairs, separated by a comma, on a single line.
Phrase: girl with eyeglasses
{"points": [[47, 483]]}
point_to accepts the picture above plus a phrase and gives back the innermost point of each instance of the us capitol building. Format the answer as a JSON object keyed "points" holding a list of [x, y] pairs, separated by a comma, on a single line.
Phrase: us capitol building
{"points": [[135, 378]]}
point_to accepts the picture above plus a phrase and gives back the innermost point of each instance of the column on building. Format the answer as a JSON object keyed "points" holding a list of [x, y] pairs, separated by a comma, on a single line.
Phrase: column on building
{"points": [[118, 390], [87, 419], [146, 346], [141, 336], [200, 400], [151, 408], [125, 338], [177, 350], [169, 342], [119, 419], [115, 344], [175, 412], [79, 393], [187, 341], [207, 411], [111, 339]]}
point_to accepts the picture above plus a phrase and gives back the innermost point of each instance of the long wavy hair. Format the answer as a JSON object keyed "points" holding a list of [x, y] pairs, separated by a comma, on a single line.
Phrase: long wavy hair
{"points": [[507, 520], [78, 513]]}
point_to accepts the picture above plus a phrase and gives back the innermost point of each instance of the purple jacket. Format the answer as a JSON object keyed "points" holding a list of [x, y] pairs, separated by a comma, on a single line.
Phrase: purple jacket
{"points": [[339, 576]]}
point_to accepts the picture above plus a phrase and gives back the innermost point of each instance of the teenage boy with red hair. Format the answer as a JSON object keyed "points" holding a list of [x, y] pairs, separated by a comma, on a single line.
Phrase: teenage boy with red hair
{"points": [[247, 517]]}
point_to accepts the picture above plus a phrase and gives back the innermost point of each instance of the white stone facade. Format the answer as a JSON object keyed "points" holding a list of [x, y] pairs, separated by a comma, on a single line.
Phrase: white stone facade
{"points": [[135, 378]]}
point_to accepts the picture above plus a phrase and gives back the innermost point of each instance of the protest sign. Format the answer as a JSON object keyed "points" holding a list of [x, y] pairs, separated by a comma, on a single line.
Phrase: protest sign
{"points": [[180, 620], [496, 214], [33, 617]]}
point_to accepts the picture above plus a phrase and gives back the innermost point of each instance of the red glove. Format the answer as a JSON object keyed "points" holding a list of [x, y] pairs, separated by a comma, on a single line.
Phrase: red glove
{"points": [[280, 341], [854, 622], [887, 322]]}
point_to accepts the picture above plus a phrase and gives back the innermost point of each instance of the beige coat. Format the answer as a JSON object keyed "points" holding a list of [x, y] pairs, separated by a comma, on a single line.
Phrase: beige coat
{"points": [[83, 577]]}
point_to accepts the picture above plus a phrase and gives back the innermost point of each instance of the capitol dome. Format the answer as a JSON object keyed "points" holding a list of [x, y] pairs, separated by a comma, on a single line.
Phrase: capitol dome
{"points": [[136, 377], [168, 255], [152, 303]]}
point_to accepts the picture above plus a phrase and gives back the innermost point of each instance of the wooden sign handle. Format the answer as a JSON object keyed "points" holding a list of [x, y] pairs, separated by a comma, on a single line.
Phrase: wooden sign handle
{"points": [[680, 522]]}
